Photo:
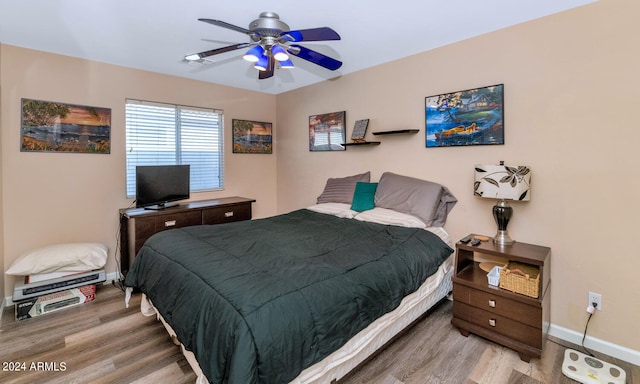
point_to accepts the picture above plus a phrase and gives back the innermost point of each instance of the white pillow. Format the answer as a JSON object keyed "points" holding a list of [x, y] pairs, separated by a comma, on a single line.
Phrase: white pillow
{"points": [[336, 209], [390, 217], [76, 257]]}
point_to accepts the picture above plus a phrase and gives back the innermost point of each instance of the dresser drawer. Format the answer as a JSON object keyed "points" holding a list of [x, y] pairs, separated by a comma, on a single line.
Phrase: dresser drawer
{"points": [[137, 225], [145, 227], [184, 219], [499, 324], [227, 214], [516, 310]]}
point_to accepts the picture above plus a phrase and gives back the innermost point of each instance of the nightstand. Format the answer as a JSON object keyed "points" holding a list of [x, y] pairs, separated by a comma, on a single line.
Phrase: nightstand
{"points": [[511, 319]]}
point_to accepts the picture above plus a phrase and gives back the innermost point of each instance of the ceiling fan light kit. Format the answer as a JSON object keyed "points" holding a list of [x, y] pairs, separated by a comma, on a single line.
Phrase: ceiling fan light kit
{"points": [[254, 54], [279, 53], [262, 64], [286, 64], [271, 41]]}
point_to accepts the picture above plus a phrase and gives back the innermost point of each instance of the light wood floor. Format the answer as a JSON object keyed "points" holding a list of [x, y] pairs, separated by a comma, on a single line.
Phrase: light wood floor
{"points": [[102, 342]]}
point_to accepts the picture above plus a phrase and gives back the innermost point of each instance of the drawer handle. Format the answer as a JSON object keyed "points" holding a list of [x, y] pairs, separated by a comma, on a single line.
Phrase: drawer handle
{"points": [[170, 223], [492, 303], [228, 214], [492, 322]]}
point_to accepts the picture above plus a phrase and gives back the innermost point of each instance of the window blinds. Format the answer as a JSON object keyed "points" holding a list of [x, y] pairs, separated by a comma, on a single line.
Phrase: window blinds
{"points": [[165, 134]]}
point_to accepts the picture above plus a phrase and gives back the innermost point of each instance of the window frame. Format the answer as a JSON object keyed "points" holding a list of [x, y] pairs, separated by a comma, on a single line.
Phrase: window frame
{"points": [[173, 139]]}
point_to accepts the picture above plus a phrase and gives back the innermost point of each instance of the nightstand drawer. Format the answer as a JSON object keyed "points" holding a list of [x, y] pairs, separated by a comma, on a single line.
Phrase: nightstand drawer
{"points": [[226, 214], [516, 310], [495, 323]]}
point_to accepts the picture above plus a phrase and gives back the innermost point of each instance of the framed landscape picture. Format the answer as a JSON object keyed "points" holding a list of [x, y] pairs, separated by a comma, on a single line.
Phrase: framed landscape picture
{"points": [[327, 132], [58, 127], [252, 136], [471, 117]]}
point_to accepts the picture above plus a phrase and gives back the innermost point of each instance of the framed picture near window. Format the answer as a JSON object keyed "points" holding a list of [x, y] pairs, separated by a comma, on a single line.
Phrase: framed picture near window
{"points": [[327, 131], [471, 117], [48, 126], [252, 136]]}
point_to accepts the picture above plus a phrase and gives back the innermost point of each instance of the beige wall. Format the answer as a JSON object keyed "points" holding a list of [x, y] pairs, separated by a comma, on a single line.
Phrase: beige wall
{"points": [[51, 198], [570, 91], [571, 83], [1, 191]]}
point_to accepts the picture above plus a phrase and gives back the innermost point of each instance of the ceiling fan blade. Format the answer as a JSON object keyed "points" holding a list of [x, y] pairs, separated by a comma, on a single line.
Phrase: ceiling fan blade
{"points": [[217, 51], [224, 24], [269, 72], [314, 57], [313, 34]]}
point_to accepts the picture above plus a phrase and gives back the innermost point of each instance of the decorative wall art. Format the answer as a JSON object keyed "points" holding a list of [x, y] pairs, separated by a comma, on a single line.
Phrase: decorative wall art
{"points": [[471, 117], [58, 127], [327, 132], [359, 130], [252, 136]]}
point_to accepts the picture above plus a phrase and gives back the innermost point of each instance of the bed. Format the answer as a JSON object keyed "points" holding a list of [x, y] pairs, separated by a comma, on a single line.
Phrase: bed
{"points": [[304, 296]]}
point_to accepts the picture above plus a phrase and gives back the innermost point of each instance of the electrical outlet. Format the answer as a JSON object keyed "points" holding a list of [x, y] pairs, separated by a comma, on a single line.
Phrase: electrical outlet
{"points": [[597, 299]]}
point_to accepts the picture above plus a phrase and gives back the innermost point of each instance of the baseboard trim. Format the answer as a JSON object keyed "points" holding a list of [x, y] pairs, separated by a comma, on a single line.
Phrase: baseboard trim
{"points": [[113, 276], [592, 343], [619, 352], [2, 310]]}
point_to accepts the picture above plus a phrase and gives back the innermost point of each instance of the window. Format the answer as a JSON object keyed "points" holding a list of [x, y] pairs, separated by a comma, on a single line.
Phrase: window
{"points": [[165, 134]]}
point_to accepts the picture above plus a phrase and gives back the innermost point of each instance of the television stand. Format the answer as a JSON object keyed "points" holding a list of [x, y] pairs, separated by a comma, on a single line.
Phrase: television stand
{"points": [[138, 224]]}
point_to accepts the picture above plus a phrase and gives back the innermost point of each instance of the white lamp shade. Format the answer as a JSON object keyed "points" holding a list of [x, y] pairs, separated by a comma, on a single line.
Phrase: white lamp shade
{"points": [[502, 182]]}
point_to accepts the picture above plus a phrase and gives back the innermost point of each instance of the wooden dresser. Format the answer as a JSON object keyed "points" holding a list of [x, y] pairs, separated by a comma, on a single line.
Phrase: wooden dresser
{"points": [[514, 320], [138, 224]]}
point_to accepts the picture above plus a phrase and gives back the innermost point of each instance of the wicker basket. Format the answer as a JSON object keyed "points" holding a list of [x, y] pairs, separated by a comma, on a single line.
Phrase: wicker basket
{"points": [[520, 278]]}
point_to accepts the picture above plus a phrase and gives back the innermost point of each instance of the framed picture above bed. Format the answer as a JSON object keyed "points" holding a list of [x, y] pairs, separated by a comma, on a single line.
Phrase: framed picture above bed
{"points": [[327, 132], [252, 136], [470, 117]]}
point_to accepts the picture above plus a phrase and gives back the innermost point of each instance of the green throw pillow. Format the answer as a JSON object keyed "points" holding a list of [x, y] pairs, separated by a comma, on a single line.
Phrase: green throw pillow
{"points": [[363, 196]]}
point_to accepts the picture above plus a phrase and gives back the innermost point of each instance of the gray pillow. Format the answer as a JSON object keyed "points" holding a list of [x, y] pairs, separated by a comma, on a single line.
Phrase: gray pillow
{"points": [[428, 201], [340, 190]]}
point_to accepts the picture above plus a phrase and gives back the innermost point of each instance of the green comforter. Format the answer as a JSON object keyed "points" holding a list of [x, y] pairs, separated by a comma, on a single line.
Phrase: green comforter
{"points": [[259, 301]]}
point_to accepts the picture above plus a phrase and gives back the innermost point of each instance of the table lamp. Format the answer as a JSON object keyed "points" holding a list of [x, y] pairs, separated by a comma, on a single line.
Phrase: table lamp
{"points": [[502, 182]]}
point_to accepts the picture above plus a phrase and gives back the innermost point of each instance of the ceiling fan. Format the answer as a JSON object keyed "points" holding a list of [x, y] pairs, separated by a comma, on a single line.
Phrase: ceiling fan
{"points": [[272, 41]]}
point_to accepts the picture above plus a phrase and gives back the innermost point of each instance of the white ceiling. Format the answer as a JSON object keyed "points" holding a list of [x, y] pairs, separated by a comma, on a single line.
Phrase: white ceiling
{"points": [[155, 35]]}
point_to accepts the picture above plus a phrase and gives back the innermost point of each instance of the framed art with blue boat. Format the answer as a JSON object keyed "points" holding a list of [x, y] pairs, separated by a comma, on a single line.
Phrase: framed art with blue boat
{"points": [[470, 117]]}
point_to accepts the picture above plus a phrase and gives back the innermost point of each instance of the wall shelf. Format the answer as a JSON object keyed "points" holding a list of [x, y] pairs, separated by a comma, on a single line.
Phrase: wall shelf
{"points": [[396, 131], [362, 143], [381, 133]]}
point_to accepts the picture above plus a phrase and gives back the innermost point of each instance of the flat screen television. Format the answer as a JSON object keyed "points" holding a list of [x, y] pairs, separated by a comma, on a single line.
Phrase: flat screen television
{"points": [[161, 186]]}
